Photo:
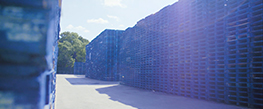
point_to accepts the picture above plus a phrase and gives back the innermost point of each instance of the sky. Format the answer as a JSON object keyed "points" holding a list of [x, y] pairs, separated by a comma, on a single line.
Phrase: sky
{"points": [[89, 18]]}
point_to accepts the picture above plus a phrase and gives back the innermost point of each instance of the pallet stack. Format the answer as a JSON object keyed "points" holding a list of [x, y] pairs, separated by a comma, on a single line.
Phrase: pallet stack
{"points": [[65, 70], [79, 68], [244, 28], [102, 55], [28, 53]]}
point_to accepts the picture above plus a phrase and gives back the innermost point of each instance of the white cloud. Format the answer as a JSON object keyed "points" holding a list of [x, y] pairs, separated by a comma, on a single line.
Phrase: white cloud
{"points": [[78, 28], [114, 17], [100, 20], [86, 31], [112, 3], [70, 26]]}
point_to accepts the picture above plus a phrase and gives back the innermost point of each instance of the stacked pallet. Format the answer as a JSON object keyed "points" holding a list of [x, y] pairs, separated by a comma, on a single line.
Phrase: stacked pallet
{"points": [[65, 70], [244, 28], [102, 53], [28, 53], [79, 68]]}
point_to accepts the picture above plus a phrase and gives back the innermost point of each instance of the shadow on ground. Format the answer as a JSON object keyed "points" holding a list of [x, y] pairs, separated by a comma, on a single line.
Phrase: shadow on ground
{"points": [[146, 99], [79, 76], [87, 81]]}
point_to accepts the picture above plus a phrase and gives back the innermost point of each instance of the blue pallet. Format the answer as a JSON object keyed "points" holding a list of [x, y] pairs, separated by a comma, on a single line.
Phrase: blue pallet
{"points": [[28, 58], [32, 3], [30, 92], [79, 68], [12, 42], [18, 70]]}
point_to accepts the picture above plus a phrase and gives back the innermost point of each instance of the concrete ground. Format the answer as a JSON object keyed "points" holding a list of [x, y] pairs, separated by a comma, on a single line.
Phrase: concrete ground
{"points": [[78, 92]]}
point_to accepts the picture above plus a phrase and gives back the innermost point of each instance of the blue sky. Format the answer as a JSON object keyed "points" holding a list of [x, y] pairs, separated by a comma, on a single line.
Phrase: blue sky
{"points": [[90, 17]]}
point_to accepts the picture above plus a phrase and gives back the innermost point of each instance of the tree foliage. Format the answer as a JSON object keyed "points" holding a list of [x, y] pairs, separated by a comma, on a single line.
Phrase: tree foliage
{"points": [[71, 49]]}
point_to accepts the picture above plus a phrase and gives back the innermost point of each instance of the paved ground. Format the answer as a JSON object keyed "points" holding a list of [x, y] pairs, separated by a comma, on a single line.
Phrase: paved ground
{"points": [[77, 92]]}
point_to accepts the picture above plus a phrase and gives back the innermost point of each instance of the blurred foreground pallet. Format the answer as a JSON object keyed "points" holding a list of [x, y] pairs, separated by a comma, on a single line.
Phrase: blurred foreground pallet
{"points": [[29, 32]]}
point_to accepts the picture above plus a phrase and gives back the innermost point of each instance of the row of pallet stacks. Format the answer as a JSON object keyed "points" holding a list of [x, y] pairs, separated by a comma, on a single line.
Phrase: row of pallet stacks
{"points": [[101, 56], [28, 53], [80, 68], [204, 49]]}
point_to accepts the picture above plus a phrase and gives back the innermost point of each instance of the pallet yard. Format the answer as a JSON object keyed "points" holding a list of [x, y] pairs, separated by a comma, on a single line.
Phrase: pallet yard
{"points": [[203, 49]]}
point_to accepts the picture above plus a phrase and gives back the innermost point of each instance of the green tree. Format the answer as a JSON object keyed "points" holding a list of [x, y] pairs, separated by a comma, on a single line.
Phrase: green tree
{"points": [[71, 49]]}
